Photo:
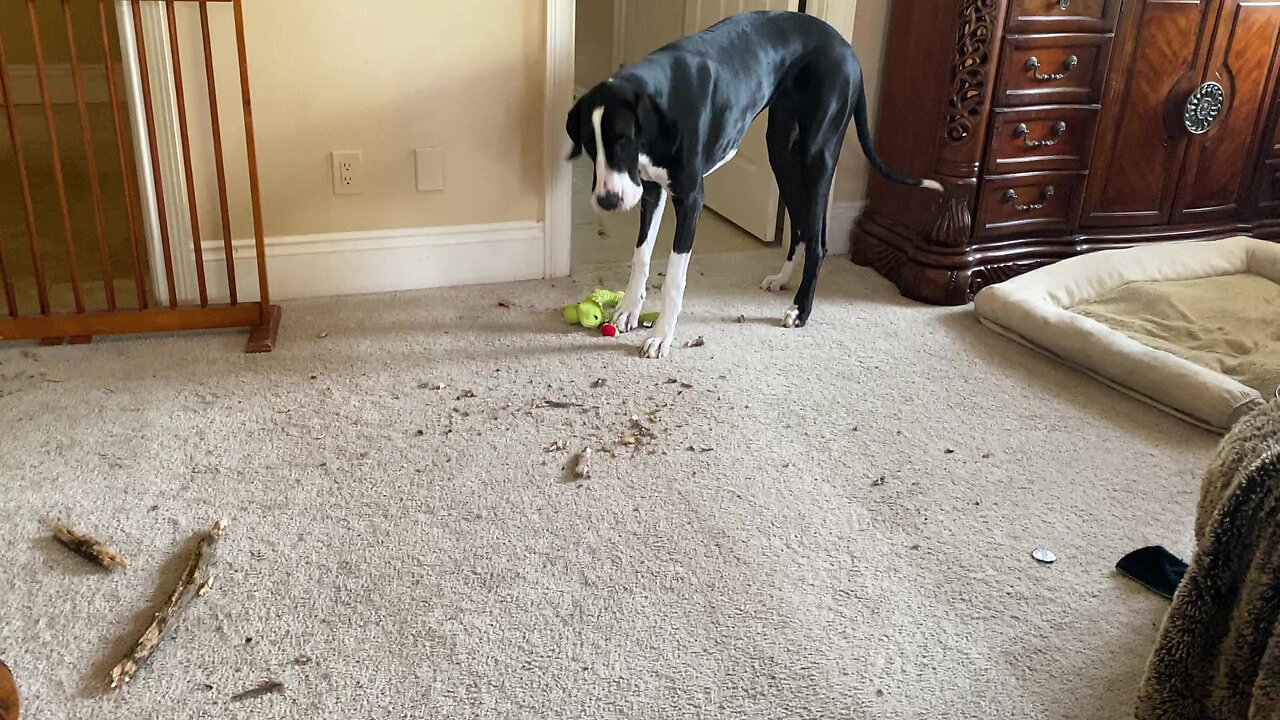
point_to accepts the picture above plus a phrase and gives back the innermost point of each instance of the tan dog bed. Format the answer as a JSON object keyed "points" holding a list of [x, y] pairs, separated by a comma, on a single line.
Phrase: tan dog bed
{"points": [[1191, 328]]}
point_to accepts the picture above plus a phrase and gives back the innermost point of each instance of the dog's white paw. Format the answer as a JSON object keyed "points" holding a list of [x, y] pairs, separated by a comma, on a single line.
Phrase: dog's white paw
{"points": [[656, 346], [627, 316], [774, 283], [792, 318]]}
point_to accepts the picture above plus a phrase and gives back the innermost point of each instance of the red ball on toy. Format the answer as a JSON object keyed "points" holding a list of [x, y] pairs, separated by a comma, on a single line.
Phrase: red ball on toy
{"points": [[608, 330]]}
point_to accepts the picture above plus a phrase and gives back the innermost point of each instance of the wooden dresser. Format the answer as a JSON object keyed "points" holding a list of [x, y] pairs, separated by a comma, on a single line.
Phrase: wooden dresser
{"points": [[1060, 127]]}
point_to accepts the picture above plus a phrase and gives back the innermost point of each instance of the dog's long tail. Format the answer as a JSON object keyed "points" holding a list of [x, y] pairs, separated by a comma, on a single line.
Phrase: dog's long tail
{"points": [[869, 149]]}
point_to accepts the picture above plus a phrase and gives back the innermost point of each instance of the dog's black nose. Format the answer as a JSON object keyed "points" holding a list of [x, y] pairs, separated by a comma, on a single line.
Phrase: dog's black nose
{"points": [[609, 201]]}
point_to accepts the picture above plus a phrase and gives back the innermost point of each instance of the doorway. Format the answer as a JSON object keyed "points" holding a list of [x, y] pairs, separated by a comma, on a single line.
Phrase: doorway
{"points": [[742, 208]]}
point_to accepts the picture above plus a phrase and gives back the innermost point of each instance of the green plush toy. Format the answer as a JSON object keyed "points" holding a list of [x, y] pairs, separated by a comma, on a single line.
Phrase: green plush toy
{"points": [[597, 307]]}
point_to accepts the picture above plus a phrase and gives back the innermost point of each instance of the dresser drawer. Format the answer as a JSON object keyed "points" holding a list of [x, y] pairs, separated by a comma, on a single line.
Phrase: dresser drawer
{"points": [[1052, 69], [1029, 202], [1055, 16], [1041, 138]]}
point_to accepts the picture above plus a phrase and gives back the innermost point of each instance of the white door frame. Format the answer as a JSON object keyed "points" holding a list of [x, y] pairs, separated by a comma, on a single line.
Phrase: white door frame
{"points": [[172, 179], [558, 97], [558, 222]]}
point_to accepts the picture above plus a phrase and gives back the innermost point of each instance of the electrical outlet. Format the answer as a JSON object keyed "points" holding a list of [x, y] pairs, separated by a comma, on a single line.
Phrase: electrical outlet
{"points": [[430, 164], [348, 173]]}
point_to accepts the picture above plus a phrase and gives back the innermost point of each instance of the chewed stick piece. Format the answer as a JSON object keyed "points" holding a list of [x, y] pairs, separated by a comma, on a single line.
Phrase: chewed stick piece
{"points": [[194, 578], [88, 548], [582, 465]]}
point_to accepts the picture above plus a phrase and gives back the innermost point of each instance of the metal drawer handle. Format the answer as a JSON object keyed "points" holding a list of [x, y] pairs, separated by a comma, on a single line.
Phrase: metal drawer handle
{"points": [[1033, 65], [1022, 131], [1203, 108], [1012, 197]]}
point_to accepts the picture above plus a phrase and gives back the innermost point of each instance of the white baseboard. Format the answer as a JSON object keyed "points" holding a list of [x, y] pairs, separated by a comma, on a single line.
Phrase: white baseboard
{"points": [[62, 88], [356, 263], [844, 215]]}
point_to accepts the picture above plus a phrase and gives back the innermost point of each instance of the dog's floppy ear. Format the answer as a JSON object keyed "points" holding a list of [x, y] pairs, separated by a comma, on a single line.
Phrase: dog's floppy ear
{"points": [[573, 127], [658, 132]]}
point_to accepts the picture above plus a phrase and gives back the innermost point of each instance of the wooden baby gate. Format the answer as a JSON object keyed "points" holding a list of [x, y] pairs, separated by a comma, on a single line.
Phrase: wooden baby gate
{"points": [[136, 311]]}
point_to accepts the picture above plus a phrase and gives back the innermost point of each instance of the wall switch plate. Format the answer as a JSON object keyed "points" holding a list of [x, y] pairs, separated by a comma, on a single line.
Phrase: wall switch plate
{"points": [[430, 167], [348, 173]]}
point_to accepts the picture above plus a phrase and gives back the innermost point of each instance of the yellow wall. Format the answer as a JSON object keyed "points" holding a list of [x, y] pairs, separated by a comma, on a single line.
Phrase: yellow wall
{"points": [[381, 77]]}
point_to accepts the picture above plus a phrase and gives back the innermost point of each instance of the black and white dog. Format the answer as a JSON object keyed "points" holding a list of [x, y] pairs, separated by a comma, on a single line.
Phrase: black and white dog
{"points": [[661, 125]]}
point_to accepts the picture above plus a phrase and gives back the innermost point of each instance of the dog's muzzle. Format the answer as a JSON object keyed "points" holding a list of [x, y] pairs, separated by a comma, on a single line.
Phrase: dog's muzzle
{"points": [[609, 201]]}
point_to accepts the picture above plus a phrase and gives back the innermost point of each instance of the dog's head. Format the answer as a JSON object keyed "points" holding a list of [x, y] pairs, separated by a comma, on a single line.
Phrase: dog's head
{"points": [[615, 125]]}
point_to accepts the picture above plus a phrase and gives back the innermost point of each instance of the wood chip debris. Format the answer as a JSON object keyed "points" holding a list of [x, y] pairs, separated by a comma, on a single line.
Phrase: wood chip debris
{"points": [[558, 404], [431, 386], [504, 303], [878, 481], [195, 581], [88, 548], [692, 448], [581, 466], [696, 342], [636, 434], [467, 394], [302, 659], [948, 451], [323, 335], [266, 688], [556, 446], [741, 319], [655, 416], [683, 385], [598, 383], [986, 456]]}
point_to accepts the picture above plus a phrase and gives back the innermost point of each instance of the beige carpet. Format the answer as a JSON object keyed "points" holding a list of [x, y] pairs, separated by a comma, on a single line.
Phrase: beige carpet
{"points": [[420, 548]]}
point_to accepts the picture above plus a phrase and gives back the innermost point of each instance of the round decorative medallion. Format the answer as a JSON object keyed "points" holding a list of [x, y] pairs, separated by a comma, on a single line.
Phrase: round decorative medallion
{"points": [[1203, 108]]}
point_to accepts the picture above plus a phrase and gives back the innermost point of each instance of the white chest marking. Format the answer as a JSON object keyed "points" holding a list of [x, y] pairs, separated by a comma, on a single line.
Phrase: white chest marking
{"points": [[652, 172]]}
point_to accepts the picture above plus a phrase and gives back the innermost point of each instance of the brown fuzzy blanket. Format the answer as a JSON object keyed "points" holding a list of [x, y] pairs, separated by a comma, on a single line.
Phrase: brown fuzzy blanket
{"points": [[1218, 653]]}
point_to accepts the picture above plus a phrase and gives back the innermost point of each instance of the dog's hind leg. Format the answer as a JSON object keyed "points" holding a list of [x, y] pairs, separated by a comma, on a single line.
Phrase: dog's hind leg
{"points": [[627, 317], [812, 221], [688, 210], [781, 136], [818, 174]]}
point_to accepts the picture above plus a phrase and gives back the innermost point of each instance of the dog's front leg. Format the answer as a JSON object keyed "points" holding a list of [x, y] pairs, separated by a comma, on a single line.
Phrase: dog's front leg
{"points": [[627, 317], [688, 209]]}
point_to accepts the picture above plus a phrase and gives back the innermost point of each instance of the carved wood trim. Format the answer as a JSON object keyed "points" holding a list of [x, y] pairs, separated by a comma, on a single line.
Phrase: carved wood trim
{"points": [[985, 275], [970, 74], [953, 227]]}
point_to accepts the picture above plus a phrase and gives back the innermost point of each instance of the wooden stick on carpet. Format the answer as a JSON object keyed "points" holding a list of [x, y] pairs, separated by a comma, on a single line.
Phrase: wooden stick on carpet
{"points": [[195, 581], [88, 548]]}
